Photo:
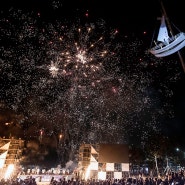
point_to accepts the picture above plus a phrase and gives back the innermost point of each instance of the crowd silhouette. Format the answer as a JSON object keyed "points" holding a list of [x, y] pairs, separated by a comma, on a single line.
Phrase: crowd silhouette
{"points": [[172, 178]]}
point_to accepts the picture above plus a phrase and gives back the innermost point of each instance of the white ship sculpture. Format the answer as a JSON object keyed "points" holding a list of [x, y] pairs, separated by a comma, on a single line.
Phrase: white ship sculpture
{"points": [[167, 44]]}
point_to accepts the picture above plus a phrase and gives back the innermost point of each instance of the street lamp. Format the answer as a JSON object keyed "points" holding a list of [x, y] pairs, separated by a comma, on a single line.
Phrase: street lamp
{"points": [[59, 148], [177, 149], [181, 156]]}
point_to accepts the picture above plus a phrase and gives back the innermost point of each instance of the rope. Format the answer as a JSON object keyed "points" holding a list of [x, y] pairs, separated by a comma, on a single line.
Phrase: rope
{"points": [[153, 38]]}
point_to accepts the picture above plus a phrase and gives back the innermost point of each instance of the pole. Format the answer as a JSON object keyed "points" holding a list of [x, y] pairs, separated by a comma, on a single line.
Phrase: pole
{"points": [[156, 166], [167, 169], [171, 31]]}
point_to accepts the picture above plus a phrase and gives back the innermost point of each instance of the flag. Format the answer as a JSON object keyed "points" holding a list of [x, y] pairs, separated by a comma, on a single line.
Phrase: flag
{"points": [[5, 147], [93, 151]]}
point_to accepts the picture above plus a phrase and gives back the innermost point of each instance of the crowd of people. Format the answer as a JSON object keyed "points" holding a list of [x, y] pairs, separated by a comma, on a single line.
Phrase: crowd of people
{"points": [[173, 178]]}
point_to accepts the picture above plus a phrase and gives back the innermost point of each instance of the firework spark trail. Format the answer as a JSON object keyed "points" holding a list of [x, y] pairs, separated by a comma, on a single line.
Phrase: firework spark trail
{"points": [[66, 76]]}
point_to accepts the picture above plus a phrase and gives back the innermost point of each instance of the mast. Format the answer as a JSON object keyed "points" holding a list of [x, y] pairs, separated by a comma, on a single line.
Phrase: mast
{"points": [[171, 31]]}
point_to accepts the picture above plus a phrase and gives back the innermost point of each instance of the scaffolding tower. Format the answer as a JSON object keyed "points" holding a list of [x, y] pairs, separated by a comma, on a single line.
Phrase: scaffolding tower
{"points": [[10, 153]]}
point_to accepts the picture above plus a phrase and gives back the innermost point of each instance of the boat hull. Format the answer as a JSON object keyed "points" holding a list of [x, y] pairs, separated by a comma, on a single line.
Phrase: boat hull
{"points": [[175, 44]]}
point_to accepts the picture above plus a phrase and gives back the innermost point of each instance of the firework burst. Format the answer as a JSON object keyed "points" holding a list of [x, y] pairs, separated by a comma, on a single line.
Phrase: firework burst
{"points": [[78, 79]]}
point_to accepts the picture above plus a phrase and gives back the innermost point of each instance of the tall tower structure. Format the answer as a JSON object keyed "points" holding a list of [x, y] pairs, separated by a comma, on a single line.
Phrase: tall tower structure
{"points": [[10, 153]]}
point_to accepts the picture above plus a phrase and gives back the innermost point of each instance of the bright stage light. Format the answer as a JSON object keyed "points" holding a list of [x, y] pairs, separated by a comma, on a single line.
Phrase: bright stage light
{"points": [[9, 171], [87, 172]]}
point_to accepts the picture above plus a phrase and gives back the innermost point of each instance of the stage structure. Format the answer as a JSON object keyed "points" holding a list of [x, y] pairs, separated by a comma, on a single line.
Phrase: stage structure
{"points": [[103, 161], [10, 154]]}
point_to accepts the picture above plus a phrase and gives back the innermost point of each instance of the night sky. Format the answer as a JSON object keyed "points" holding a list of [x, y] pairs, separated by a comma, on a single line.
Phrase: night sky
{"points": [[80, 69]]}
